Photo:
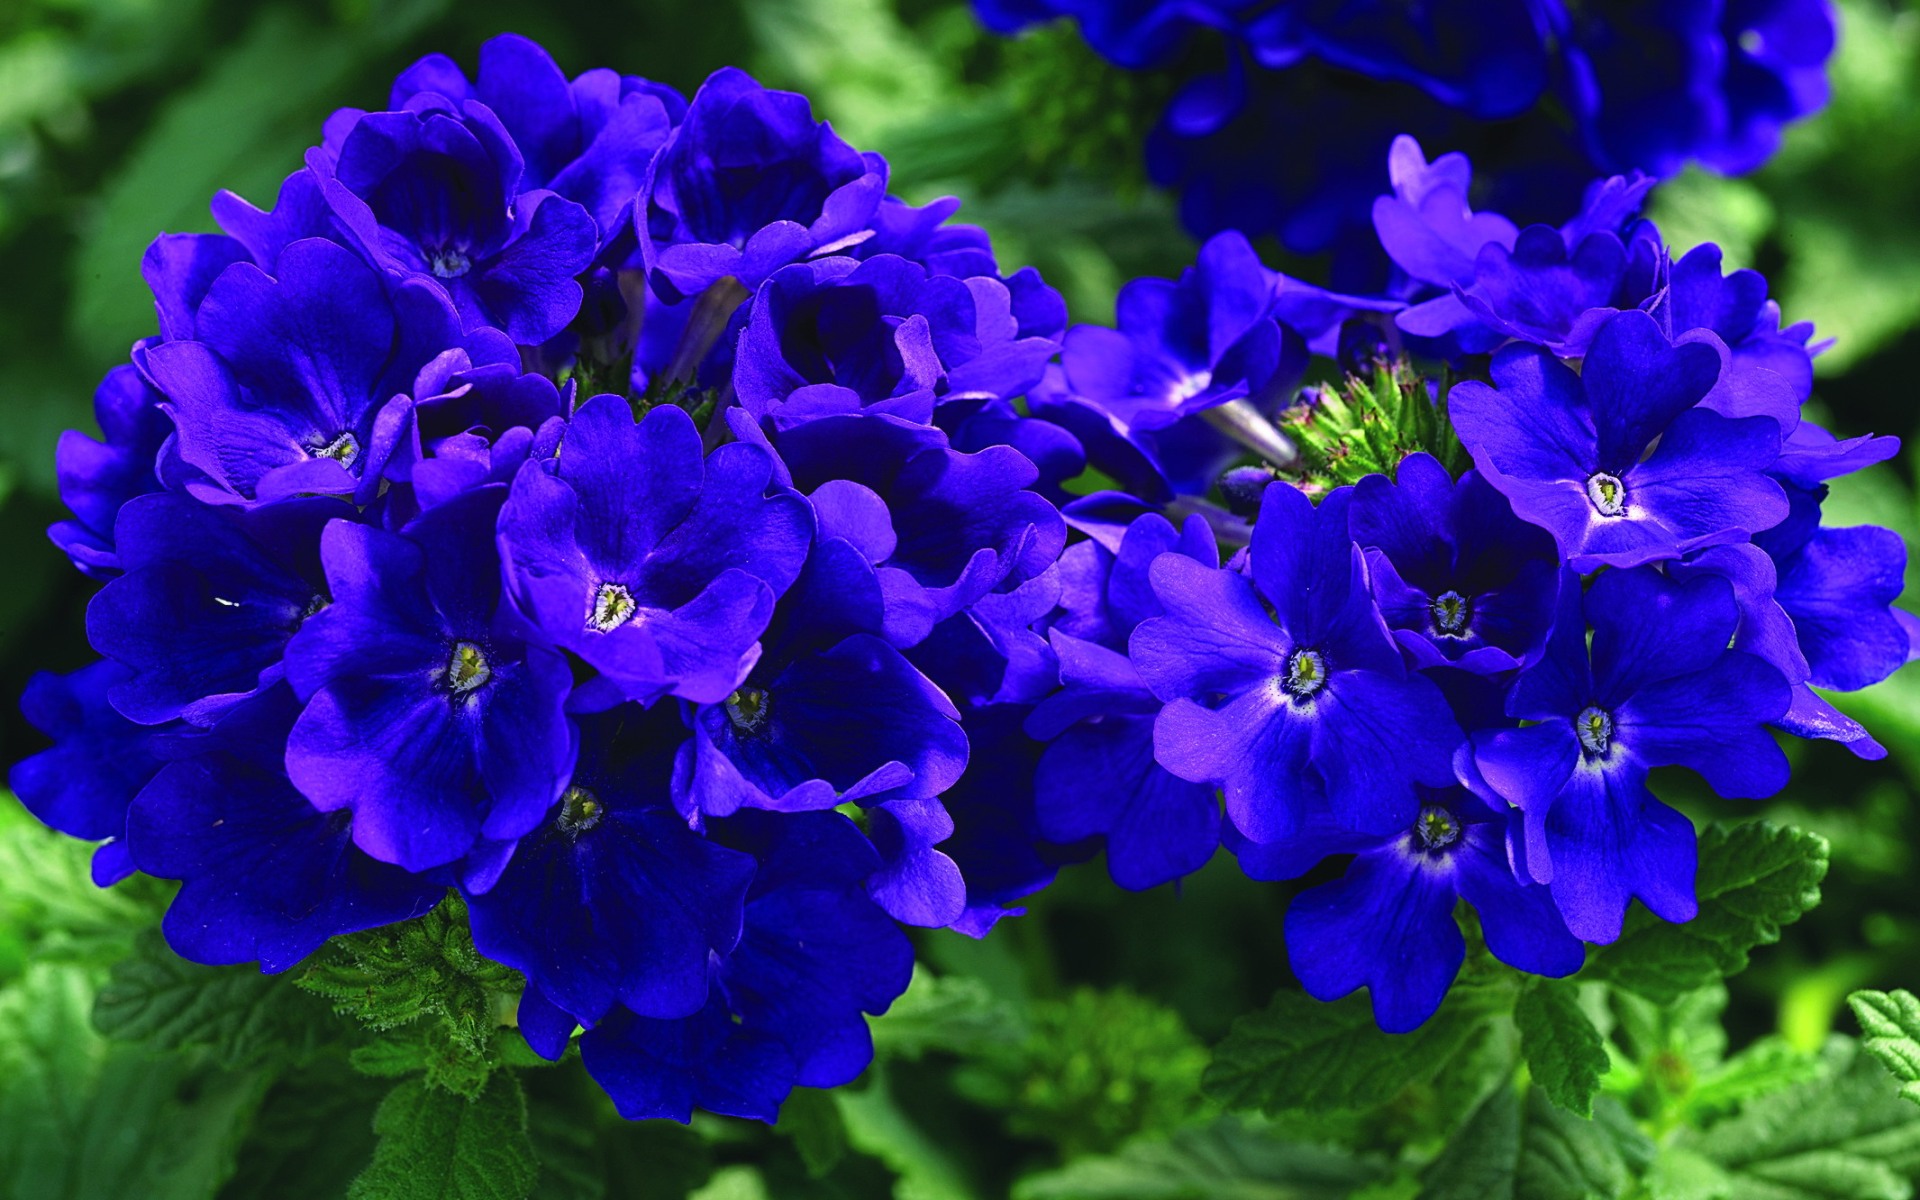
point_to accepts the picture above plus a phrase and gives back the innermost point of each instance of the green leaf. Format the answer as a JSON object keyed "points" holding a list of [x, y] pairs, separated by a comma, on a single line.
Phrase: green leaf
{"points": [[1891, 1021], [287, 1156], [82, 1118], [812, 1119], [1228, 1159], [1298, 1054], [244, 1017], [1754, 878], [1847, 1136], [953, 1013], [877, 1125], [48, 899], [1525, 1148], [1562, 1049], [435, 1145]]}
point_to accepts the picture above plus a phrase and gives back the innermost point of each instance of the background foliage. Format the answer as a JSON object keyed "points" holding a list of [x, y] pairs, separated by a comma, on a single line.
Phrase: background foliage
{"points": [[1107, 1045]]}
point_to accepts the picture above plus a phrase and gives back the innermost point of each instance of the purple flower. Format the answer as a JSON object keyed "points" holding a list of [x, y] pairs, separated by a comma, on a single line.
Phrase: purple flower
{"points": [[613, 900], [97, 477], [1304, 705], [1660, 688], [1387, 923], [1735, 307], [1777, 52], [654, 564], [288, 388], [1569, 450], [787, 1005], [1099, 777], [264, 874], [1181, 348], [1460, 580], [747, 184], [589, 140], [430, 715], [428, 194], [99, 761], [838, 335], [209, 598], [1132, 33]]}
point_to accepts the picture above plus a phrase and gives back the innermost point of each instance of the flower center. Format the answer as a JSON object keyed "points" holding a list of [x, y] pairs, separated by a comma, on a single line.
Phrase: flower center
{"points": [[580, 810], [1188, 386], [1436, 828], [467, 669], [1608, 494], [613, 606], [1306, 673], [1594, 727], [747, 709], [344, 450], [449, 262], [1451, 612]]}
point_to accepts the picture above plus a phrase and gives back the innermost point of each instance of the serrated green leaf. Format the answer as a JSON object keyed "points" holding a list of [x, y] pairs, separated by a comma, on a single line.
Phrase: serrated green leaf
{"points": [[1680, 1174], [82, 1118], [1891, 1021], [243, 1017], [1754, 879], [1518, 1147], [1844, 1137], [1564, 1157], [435, 1145], [1562, 1049], [1298, 1054], [1228, 1159], [49, 901]]}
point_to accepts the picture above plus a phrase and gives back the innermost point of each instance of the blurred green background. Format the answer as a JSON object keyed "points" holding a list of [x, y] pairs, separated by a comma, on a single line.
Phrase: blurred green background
{"points": [[120, 118]]}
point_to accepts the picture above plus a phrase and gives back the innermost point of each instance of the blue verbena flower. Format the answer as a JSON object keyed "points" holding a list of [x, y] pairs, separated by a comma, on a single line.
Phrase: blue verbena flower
{"points": [[748, 183], [1387, 923], [265, 876], [785, 1006], [1570, 450], [1099, 778], [1660, 687], [97, 477], [655, 564], [427, 193], [1284, 685], [1460, 580], [434, 712]]}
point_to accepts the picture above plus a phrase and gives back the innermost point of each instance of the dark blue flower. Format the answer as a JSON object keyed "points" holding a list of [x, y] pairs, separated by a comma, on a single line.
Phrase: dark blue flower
{"points": [[431, 714], [838, 335], [97, 477], [613, 900], [429, 194], [264, 874], [657, 565], [747, 184], [1460, 580], [787, 1005], [1298, 705], [289, 387], [209, 598], [1099, 777], [1777, 52], [1180, 348], [1659, 688], [1387, 924], [589, 140], [99, 761], [1569, 450], [1132, 33]]}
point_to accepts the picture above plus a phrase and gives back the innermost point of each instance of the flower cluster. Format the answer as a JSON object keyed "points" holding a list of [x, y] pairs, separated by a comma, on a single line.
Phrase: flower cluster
{"points": [[590, 500], [1548, 92], [622, 510], [1597, 553]]}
